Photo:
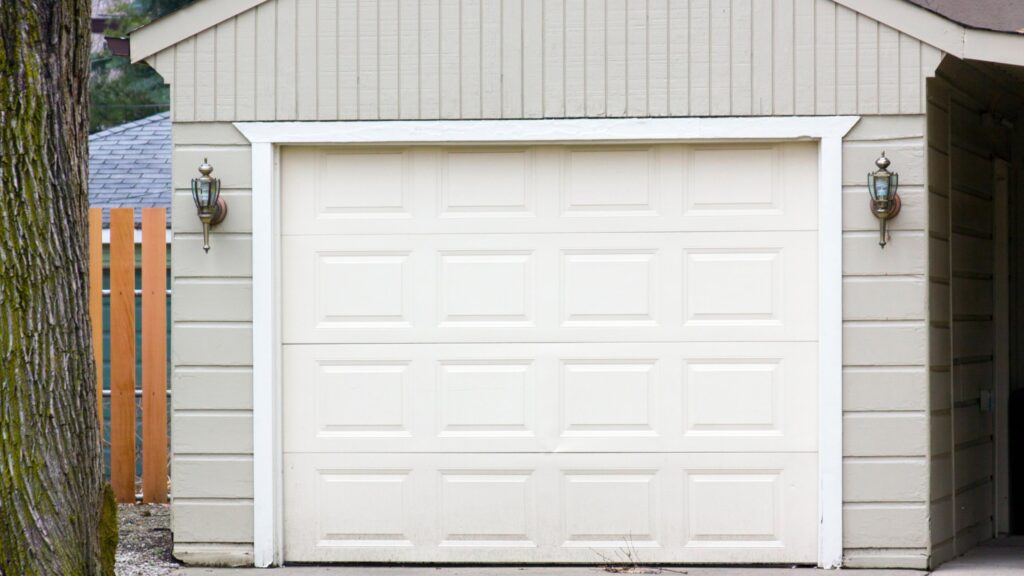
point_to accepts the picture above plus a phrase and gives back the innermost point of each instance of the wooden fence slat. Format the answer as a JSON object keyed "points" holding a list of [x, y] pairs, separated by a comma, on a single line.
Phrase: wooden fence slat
{"points": [[96, 301], [154, 355], [122, 353]]}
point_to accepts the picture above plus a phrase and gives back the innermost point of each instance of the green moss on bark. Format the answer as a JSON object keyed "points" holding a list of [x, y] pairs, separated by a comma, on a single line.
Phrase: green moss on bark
{"points": [[108, 530]]}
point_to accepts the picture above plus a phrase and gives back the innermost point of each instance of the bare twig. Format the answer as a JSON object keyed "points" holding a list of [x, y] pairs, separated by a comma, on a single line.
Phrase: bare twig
{"points": [[627, 561]]}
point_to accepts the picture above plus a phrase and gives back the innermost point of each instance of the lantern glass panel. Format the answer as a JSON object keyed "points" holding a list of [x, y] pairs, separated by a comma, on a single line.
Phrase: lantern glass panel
{"points": [[204, 193], [881, 187], [214, 191]]}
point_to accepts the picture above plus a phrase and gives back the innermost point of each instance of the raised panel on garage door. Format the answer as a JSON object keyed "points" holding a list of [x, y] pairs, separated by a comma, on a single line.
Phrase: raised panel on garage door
{"points": [[694, 286], [451, 190], [637, 397], [550, 353], [580, 508]]}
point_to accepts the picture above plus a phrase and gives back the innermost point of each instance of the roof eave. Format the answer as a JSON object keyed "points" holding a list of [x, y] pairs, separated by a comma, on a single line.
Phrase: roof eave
{"points": [[989, 46], [941, 32], [184, 23]]}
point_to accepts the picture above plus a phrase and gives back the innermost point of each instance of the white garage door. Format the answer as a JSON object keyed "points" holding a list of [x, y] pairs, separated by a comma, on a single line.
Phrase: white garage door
{"points": [[550, 354]]}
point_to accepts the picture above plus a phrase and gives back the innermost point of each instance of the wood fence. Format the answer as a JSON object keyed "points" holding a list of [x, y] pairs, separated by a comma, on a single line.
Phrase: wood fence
{"points": [[122, 385]]}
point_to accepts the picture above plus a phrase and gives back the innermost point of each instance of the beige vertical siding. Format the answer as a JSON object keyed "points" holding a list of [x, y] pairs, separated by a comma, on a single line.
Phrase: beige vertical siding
{"points": [[429, 59]]}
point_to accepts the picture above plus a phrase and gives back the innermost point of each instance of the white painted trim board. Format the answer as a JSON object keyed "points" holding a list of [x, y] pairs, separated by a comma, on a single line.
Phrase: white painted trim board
{"points": [[267, 137], [171, 29]]}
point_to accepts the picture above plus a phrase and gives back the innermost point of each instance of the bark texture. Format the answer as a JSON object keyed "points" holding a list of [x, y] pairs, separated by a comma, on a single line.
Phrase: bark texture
{"points": [[52, 497]]}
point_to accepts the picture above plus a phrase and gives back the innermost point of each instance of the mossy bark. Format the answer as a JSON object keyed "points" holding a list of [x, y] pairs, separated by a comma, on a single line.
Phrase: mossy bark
{"points": [[54, 515]]}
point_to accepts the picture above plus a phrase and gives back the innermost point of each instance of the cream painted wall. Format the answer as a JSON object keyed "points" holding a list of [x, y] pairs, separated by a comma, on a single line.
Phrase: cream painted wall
{"points": [[212, 356], [885, 354], [428, 59], [885, 386]]}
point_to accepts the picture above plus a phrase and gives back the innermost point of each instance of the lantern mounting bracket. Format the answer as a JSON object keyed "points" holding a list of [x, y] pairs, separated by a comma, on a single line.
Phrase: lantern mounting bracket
{"points": [[220, 212]]}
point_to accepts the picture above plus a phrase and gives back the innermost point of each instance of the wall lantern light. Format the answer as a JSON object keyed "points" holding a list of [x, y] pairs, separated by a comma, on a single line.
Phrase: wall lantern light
{"points": [[885, 202], [210, 207]]}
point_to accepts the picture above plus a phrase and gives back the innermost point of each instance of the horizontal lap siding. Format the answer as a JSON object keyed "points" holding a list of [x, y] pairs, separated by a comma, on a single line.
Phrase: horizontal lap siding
{"points": [[461, 59], [940, 314], [970, 196], [212, 354], [963, 147], [885, 354]]}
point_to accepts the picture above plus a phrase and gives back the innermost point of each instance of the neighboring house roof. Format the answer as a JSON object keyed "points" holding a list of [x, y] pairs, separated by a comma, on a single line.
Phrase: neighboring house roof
{"points": [[130, 166], [957, 27]]}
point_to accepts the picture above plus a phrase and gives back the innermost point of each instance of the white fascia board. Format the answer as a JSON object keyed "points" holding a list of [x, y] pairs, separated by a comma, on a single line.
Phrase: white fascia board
{"points": [[988, 46], [942, 33], [541, 131], [913, 21], [184, 23]]}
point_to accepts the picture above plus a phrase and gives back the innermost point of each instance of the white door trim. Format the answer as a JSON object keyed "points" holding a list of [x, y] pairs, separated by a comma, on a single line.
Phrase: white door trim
{"points": [[267, 137]]}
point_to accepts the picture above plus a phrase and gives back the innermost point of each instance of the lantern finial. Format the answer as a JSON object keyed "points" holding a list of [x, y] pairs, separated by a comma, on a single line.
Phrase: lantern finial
{"points": [[205, 169]]}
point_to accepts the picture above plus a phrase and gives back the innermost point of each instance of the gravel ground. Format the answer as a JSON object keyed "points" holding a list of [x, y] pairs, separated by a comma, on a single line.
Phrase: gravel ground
{"points": [[144, 548]]}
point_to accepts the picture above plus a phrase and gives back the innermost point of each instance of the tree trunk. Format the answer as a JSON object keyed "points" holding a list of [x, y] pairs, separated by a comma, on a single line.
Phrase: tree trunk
{"points": [[56, 517]]}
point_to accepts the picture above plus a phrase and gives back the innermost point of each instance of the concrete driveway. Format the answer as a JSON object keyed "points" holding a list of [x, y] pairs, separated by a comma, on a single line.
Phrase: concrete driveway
{"points": [[573, 571], [1002, 557]]}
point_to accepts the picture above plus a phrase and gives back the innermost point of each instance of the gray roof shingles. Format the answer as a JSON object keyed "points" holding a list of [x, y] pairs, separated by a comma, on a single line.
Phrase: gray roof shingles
{"points": [[130, 166]]}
